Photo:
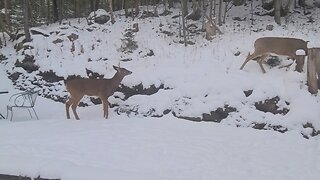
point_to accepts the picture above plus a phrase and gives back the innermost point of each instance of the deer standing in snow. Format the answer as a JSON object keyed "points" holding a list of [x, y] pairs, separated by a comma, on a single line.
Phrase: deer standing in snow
{"points": [[266, 46], [102, 88]]}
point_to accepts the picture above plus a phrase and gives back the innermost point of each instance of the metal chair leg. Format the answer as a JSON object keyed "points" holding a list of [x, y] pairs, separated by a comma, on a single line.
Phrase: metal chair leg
{"points": [[35, 113], [9, 109], [30, 113]]}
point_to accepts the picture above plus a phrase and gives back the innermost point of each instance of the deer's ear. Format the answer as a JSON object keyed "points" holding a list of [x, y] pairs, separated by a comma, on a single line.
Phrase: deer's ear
{"points": [[116, 68]]}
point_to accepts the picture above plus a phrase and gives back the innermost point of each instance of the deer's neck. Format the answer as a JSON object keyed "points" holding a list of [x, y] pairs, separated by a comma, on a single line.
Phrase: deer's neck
{"points": [[116, 80]]}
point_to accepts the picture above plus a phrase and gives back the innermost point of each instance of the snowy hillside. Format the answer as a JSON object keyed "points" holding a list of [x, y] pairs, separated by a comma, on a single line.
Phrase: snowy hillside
{"points": [[195, 82], [145, 136]]}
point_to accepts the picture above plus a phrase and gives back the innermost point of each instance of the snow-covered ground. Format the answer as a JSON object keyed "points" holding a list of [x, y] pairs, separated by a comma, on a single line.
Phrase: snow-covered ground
{"points": [[198, 79], [147, 148]]}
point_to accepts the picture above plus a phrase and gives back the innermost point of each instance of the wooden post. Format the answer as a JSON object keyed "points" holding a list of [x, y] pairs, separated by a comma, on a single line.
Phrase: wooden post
{"points": [[318, 69], [313, 58]]}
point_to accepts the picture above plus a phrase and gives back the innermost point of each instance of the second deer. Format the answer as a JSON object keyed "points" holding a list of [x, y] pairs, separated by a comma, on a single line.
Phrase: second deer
{"points": [[266, 46], [102, 88]]}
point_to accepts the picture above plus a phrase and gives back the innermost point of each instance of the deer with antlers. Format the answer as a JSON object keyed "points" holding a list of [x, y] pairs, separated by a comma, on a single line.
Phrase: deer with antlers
{"points": [[102, 88]]}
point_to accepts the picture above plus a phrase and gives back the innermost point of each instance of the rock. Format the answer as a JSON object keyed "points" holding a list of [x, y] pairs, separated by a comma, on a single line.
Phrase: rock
{"points": [[248, 93], [198, 119], [14, 76], [135, 27], [50, 76], [139, 89], [100, 17], [314, 132], [150, 53], [269, 27], [219, 114], [27, 64], [57, 41], [270, 105], [37, 31]]}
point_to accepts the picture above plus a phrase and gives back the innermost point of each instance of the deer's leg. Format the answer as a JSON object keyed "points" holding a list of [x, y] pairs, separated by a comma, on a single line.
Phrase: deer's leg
{"points": [[68, 104], [261, 66], [244, 63], [249, 57], [105, 107], [261, 60], [74, 106]]}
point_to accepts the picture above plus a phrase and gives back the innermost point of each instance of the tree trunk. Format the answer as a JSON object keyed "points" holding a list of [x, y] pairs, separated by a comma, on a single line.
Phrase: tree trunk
{"points": [[287, 8], [196, 12], [165, 3], [131, 7], [126, 7], [76, 8], [184, 7], [55, 10], [96, 5], [220, 13], [7, 15], [137, 7], [194, 5], [26, 20], [1, 29], [60, 11], [155, 11], [48, 12], [251, 7], [302, 3], [91, 5], [215, 10], [42, 10], [277, 11], [211, 10], [170, 4], [111, 11], [225, 12]]}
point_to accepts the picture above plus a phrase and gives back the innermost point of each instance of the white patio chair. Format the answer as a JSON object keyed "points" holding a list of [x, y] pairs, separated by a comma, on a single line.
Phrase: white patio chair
{"points": [[24, 100]]}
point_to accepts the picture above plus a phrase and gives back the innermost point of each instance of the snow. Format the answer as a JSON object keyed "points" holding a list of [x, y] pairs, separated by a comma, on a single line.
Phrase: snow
{"points": [[300, 52], [150, 148], [198, 79]]}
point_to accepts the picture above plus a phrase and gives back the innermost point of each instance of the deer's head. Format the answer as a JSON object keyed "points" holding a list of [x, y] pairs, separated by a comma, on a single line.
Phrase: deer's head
{"points": [[122, 71]]}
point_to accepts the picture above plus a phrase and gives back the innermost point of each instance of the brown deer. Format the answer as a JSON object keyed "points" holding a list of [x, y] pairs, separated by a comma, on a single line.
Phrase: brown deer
{"points": [[102, 88], [266, 46]]}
